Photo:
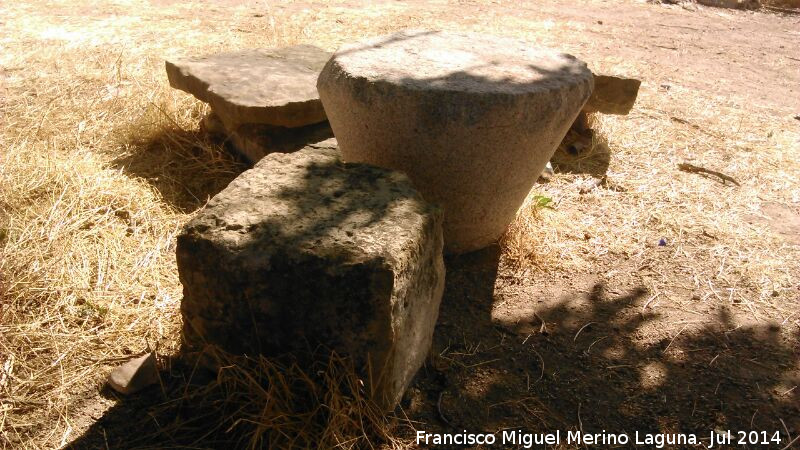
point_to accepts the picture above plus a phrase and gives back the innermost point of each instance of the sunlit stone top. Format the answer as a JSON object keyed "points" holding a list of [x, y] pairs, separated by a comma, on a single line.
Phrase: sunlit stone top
{"points": [[468, 62]]}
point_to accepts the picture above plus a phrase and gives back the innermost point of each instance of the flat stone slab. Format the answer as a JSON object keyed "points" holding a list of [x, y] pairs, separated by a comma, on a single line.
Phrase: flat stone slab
{"points": [[262, 86], [305, 250], [472, 119]]}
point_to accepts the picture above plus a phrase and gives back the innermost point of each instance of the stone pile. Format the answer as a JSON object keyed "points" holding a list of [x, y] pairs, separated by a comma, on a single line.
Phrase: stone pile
{"points": [[304, 250], [307, 250], [264, 101]]}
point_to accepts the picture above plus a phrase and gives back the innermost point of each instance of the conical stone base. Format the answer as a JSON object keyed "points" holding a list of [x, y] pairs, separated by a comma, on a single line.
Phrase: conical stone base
{"points": [[471, 119]]}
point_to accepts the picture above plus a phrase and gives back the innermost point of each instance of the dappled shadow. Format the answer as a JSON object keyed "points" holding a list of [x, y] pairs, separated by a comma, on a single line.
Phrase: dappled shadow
{"points": [[483, 96], [507, 355], [259, 243], [596, 358], [472, 122], [243, 402], [592, 358], [390, 39]]}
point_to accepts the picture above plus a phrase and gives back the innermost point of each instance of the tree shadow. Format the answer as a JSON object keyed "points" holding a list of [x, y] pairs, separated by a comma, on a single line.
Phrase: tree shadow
{"points": [[320, 217], [189, 167], [588, 360], [579, 361], [388, 40], [485, 123]]}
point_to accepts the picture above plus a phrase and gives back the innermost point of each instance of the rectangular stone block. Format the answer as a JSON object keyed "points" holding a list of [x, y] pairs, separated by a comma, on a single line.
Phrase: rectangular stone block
{"points": [[303, 251], [613, 95]]}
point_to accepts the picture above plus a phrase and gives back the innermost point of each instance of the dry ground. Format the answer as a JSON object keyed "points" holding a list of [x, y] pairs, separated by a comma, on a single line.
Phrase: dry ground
{"points": [[580, 321]]}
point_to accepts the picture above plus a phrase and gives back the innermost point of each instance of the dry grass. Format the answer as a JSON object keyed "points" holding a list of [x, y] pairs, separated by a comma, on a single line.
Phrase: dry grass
{"points": [[101, 164], [263, 403]]}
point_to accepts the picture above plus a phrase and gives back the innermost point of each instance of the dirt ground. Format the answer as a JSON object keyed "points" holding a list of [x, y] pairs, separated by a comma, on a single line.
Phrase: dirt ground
{"points": [[656, 301]]}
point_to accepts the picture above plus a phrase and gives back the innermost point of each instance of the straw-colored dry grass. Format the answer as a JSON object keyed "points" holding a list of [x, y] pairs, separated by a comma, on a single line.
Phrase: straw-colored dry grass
{"points": [[262, 403], [102, 163]]}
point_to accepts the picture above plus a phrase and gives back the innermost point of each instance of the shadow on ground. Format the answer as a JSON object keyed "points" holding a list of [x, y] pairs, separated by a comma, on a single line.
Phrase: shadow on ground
{"points": [[587, 359], [583, 360], [307, 212], [187, 167], [585, 355]]}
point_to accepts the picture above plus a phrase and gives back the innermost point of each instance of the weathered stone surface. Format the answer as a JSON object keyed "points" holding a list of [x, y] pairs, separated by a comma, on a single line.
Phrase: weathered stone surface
{"points": [[305, 250], [134, 375], [327, 143], [613, 95], [274, 87], [472, 119]]}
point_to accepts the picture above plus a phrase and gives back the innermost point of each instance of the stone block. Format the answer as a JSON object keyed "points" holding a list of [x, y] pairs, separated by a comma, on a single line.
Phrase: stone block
{"points": [[305, 250], [262, 86], [254, 141], [613, 95]]}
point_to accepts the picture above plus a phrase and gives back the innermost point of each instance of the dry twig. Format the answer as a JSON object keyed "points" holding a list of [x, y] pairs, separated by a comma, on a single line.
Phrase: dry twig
{"points": [[691, 168]]}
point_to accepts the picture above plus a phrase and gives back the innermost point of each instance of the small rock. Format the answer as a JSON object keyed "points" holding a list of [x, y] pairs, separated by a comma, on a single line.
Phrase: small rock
{"points": [[274, 87], [613, 95], [547, 173], [134, 375]]}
